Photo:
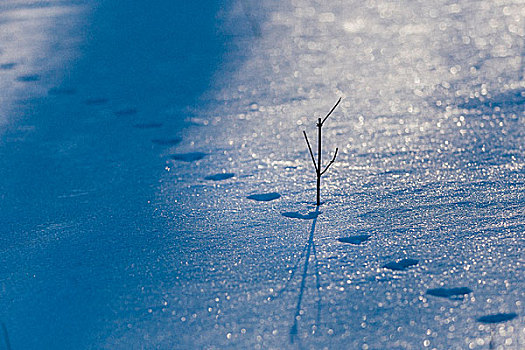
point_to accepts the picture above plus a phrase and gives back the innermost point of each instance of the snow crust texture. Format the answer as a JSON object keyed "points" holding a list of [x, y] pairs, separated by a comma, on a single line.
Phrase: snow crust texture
{"points": [[430, 167], [122, 231]]}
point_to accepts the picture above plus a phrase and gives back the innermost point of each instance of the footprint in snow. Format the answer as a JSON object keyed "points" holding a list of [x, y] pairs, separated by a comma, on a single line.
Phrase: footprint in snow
{"points": [[28, 78], [62, 91], [167, 142], [97, 101], [151, 125], [452, 293], [264, 197], [188, 157], [354, 239], [125, 112], [8, 66], [296, 215], [401, 265], [220, 176], [497, 318]]}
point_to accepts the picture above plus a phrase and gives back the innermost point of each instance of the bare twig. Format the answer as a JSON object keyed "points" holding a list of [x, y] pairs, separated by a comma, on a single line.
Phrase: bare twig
{"points": [[333, 108], [311, 153], [331, 162], [318, 164]]}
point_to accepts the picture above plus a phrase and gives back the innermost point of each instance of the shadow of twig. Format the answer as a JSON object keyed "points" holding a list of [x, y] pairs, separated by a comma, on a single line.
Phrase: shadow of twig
{"points": [[310, 247], [317, 284], [292, 274], [6, 336]]}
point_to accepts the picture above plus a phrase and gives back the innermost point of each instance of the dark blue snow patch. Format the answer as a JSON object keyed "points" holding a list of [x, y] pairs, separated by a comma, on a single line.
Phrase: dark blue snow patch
{"points": [[298, 99], [125, 112], [296, 215], [220, 176], [402, 264], [497, 318], [152, 125], [29, 78], [7, 66], [449, 292], [96, 101], [510, 98], [354, 239], [168, 141], [264, 197], [189, 157], [62, 91]]}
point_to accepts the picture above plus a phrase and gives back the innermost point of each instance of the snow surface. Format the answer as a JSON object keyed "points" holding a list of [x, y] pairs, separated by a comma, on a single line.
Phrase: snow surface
{"points": [[113, 238]]}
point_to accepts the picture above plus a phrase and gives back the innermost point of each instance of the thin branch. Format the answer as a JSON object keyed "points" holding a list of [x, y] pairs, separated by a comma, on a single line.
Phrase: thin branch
{"points": [[331, 162], [310, 149], [333, 108]]}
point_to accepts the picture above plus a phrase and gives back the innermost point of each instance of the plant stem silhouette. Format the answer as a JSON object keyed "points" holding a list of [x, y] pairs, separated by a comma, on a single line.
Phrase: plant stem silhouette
{"points": [[317, 165]]}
